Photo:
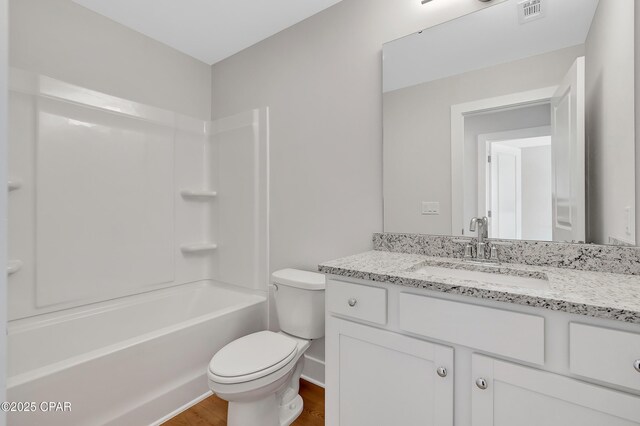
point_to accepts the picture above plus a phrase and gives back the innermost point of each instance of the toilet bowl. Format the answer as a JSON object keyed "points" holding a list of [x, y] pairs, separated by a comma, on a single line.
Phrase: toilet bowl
{"points": [[259, 374], [262, 389]]}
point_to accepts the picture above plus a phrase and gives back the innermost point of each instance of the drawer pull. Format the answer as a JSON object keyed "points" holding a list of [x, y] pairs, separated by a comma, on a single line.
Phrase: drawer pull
{"points": [[359, 302], [482, 383], [636, 365], [442, 372]]}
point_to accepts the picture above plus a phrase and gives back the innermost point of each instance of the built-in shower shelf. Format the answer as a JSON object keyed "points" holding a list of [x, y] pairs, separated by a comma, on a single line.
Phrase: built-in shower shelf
{"points": [[198, 248], [13, 266], [198, 194], [14, 184]]}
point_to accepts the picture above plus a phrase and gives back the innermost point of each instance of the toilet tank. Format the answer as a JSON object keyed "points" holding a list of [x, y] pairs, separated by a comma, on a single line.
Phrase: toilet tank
{"points": [[299, 297]]}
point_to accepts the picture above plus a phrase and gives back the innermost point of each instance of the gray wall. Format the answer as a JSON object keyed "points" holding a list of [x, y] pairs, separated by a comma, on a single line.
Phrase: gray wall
{"points": [[417, 134], [322, 80], [610, 122], [63, 40], [637, 114]]}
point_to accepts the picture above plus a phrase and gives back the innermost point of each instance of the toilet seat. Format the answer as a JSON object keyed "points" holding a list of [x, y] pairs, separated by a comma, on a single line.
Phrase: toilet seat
{"points": [[252, 357]]}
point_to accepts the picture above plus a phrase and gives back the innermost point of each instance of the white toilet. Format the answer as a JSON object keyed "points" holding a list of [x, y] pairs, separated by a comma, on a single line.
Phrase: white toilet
{"points": [[259, 374]]}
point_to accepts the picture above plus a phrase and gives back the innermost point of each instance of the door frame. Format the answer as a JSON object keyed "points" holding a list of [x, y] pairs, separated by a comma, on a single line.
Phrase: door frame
{"points": [[458, 114]]}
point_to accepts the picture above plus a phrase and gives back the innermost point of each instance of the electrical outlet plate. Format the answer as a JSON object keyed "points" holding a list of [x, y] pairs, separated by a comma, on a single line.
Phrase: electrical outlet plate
{"points": [[430, 208]]}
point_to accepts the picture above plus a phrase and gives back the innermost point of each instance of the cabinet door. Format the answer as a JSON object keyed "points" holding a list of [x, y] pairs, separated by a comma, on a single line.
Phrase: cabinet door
{"points": [[517, 395], [375, 377]]}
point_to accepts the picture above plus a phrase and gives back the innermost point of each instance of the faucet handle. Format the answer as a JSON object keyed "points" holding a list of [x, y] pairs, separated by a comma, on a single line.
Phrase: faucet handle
{"points": [[468, 247], [494, 252], [468, 251]]}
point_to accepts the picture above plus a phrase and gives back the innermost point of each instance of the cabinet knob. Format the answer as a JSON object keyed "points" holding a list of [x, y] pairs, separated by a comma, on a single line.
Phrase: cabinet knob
{"points": [[636, 365], [442, 372], [352, 302], [482, 383]]}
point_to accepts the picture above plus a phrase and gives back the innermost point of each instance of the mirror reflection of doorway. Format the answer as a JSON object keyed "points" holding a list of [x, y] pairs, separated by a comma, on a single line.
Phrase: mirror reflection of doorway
{"points": [[508, 169], [515, 180], [504, 198]]}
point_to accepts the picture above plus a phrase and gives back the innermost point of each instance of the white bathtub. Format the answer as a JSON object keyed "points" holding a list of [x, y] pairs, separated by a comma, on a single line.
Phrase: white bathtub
{"points": [[133, 361]]}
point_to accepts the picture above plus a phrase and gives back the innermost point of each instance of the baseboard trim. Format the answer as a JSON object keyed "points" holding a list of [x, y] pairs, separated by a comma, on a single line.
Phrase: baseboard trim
{"points": [[313, 371], [312, 381], [185, 407]]}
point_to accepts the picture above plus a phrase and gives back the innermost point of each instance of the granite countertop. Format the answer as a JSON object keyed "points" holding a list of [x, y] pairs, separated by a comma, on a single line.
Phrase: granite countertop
{"points": [[597, 294]]}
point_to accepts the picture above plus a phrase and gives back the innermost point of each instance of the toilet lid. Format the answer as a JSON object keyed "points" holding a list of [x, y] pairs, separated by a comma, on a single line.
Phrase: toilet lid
{"points": [[255, 355]]}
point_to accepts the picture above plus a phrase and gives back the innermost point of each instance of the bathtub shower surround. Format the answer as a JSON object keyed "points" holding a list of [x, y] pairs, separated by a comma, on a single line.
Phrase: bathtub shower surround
{"points": [[134, 361], [97, 214], [128, 232]]}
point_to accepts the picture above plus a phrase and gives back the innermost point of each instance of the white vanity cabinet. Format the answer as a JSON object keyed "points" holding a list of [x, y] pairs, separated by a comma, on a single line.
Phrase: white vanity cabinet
{"points": [[508, 394], [403, 356], [378, 377]]}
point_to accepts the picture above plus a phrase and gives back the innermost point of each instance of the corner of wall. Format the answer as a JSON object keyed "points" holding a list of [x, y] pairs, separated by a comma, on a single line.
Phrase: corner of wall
{"points": [[3, 194], [637, 114]]}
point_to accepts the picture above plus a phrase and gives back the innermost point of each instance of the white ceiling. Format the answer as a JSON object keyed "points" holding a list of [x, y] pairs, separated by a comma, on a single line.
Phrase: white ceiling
{"points": [[209, 30], [482, 39]]}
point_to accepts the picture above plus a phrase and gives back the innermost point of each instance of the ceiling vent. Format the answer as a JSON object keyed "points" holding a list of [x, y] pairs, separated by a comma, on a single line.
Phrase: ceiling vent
{"points": [[530, 10]]}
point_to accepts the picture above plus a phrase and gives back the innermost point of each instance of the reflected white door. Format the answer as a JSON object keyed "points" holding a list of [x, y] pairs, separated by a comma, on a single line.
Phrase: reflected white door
{"points": [[568, 156], [506, 192]]}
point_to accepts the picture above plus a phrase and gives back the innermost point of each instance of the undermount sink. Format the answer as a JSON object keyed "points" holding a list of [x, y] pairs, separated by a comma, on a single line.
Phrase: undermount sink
{"points": [[490, 274]]}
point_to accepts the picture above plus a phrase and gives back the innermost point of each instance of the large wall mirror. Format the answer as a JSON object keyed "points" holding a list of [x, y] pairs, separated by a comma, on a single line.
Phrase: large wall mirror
{"points": [[522, 112]]}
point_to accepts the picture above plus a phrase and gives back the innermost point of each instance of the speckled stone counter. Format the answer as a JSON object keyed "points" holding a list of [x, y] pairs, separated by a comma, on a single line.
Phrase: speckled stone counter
{"points": [[586, 257], [598, 294]]}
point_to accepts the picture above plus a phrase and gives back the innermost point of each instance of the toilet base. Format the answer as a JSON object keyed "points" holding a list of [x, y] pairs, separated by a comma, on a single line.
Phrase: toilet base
{"points": [[261, 412], [264, 412], [290, 411]]}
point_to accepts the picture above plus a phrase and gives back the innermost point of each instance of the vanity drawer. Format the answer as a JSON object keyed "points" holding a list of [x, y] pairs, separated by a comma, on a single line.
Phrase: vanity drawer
{"points": [[357, 301], [604, 354], [510, 334]]}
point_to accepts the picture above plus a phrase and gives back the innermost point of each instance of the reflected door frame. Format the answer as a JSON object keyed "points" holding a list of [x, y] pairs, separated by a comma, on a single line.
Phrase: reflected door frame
{"points": [[485, 142], [458, 114]]}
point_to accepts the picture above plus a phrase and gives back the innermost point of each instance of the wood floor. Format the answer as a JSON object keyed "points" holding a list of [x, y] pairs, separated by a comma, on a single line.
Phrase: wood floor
{"points": [[213, 410]]}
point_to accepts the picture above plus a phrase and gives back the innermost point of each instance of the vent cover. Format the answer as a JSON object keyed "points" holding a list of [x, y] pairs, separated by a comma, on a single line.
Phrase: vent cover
{"points": [[530, 10]]}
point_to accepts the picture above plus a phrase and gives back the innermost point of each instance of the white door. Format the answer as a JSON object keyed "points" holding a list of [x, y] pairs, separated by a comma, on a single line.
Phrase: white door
{"points": [[568, 156], [525, 185], [522, 396], [375, 377], [506, 192]]}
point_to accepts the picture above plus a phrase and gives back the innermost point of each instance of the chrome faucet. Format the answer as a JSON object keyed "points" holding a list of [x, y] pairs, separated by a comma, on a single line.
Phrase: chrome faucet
{"points": [[482, 225]]}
